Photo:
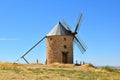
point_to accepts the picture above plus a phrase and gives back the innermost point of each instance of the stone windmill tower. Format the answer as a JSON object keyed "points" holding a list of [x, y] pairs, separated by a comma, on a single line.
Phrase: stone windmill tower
{"points": [[60, 44]]}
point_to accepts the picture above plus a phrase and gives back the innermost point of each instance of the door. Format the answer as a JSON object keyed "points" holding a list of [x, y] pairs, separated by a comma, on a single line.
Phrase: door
{"points": [[64, 57]]}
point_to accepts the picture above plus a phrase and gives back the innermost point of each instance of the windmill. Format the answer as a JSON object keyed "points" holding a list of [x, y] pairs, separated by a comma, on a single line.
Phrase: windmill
{"points": [[59, 44]]}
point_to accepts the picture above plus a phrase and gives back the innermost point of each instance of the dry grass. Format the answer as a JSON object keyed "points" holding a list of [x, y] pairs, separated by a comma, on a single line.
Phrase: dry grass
{"points": [[9, 71], [57, 65]]}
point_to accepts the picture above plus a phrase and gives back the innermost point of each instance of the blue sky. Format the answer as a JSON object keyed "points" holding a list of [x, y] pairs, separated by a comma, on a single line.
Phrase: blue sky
{"points": [[24, 22]]}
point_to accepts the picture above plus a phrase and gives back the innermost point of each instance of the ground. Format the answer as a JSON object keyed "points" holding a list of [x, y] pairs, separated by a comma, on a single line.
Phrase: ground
{"points": [[10, 71]]}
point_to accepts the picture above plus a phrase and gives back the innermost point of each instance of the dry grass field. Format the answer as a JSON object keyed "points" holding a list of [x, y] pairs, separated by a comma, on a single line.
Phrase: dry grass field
{"points": [[9, 71]]}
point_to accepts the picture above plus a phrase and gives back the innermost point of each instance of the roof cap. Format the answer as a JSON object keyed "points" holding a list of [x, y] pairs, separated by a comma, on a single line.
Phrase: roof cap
{"points": [[59, 29]]}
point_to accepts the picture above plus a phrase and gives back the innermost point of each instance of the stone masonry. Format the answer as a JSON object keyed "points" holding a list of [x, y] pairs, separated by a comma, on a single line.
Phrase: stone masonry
{"points": [[59, 49]]}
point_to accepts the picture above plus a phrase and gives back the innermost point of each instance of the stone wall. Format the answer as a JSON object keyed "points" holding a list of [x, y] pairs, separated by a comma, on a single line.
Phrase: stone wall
{"points": [[56, 45]]}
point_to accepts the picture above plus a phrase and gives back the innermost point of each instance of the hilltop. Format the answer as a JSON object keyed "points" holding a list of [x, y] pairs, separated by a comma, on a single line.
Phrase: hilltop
{"points": [[9, 71]]}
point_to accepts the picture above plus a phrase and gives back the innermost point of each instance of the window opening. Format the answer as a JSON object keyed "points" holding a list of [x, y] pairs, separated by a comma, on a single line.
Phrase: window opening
{"points": [[65, 46], [64, 39], [50, 39]]}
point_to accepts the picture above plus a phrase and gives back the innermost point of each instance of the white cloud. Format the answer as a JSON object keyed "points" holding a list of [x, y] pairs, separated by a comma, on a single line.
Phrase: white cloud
{"points": [[7, 39]]}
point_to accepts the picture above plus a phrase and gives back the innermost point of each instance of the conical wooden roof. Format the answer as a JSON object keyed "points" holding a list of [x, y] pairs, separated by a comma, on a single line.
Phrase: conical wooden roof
{"points": [[59, 29]]}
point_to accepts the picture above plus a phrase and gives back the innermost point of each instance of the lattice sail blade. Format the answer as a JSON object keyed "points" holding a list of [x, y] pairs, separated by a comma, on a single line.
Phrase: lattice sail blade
{"points": [[80, 44], [66, 25], [78, 23]]}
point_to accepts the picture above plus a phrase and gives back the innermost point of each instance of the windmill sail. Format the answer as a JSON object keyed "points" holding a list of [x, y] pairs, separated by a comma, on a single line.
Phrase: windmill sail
{"points": [[78, 23], [80, 44], [66, 25]]}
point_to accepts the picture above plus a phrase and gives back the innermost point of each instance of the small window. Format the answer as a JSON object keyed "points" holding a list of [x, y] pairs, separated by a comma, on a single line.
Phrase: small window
{"points": [[64, 39], [65, 46], [50, 39]]}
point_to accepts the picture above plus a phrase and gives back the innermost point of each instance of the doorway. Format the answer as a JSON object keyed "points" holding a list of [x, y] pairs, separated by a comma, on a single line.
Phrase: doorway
{"points": [[64, 57]]}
